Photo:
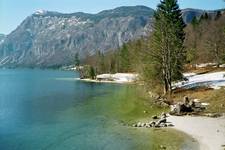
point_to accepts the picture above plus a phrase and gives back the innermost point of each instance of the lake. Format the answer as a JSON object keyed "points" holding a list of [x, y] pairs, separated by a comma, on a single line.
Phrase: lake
{"points": [[50, 110]]}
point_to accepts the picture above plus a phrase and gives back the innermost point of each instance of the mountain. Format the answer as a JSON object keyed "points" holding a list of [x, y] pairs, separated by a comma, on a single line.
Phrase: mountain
{"points": [[189, 13], [2, 37], [49, 39]]}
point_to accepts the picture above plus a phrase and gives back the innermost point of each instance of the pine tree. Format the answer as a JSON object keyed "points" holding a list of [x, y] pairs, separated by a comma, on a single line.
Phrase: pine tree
{"points": [[168, 53], [124, 59], [194, 22], [77, 60], [92, 72], [218, 15], [101, 68]]}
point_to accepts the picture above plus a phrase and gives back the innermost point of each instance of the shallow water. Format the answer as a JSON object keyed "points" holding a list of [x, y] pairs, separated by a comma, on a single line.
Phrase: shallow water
{"points": [[44, 109]]}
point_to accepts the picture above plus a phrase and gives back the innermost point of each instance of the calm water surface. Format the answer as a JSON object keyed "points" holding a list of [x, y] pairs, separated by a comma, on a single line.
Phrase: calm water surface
{"points": [[49, 110]]}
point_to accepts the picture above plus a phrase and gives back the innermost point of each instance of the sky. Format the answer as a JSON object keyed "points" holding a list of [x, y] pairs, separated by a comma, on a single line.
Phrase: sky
{"points": [[13, 12]]}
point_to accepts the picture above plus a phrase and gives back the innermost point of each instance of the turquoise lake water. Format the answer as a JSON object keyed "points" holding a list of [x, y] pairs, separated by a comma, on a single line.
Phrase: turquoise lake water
{"points": [[49, 110]]}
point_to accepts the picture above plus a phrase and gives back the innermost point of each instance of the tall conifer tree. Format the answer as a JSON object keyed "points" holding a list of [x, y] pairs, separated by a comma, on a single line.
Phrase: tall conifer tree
{"points": [[168, 53]]}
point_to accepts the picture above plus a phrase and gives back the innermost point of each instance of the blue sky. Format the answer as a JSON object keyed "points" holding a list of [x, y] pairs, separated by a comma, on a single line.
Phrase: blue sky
{"points": [[13, 12]]}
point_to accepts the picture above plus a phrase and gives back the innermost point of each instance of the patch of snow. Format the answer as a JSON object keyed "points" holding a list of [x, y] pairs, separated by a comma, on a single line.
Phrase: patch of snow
{"points": [[2, 41], [222, 66], [196, 100], [40, 12], [118, 77], [205, 65], [188, 74], [205, 104], [214, 80]]}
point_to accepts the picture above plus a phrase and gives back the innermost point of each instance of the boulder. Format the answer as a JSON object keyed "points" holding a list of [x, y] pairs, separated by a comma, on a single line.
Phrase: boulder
{"points": [[148, 126], [161, 121], [213, 115], [134, 125], [155, 117], [186, 100], [139, 124], [181, 108], [143, 124], [152, 123], [170, 125], [163, 115], [145, 112], [162, 147]]}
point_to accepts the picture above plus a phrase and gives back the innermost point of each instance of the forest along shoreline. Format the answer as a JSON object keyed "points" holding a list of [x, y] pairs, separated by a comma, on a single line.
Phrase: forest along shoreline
{"points": [[190, 112]]}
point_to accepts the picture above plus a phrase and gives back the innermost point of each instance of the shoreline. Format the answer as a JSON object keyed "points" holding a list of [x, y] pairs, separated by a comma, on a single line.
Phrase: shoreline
{"points": [[209, 132], [96, 81]]}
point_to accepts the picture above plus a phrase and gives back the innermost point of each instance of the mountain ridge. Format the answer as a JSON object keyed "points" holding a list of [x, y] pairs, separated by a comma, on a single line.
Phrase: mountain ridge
{"points": [[47, 38]]}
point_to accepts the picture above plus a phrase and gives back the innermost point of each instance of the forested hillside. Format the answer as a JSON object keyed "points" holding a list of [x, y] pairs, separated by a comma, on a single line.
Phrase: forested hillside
{"points": [[203, 43]]}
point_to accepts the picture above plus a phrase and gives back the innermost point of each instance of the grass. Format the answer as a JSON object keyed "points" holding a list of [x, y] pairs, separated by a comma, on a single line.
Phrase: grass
{"points": [[215, 98]]}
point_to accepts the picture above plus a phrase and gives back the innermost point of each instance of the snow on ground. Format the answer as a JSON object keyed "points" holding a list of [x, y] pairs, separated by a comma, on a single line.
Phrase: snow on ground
{"points": [[118, 77], [40, 12], [208, 65], [214, 80]]}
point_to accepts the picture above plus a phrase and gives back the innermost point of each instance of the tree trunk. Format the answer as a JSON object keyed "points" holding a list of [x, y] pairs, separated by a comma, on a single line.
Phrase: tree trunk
{"points": [[217, 56]]}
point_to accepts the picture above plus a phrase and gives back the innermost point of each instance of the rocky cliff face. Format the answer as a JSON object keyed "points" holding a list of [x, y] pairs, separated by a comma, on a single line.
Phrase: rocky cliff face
{"points": [[2, 37], [48, 39]]}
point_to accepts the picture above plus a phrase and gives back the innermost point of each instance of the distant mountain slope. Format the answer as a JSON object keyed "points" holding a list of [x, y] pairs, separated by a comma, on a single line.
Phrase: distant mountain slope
{"points": [[47, 39], [189, 13], [2, 36]]}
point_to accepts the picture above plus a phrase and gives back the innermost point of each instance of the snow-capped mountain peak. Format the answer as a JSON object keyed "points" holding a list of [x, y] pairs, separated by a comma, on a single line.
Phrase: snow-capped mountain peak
{"points": [[40, 12]]}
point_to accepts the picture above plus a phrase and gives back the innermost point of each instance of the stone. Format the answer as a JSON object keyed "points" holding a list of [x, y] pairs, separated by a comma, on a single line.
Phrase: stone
{"points": [[213, 115], [139, 124], [170, 125], [197, 105], [186, 100], [162, 147], [163, 125], [152, 124], [185, 108], [163, 115], [143, 124], [148, 126], [134, 125], [163, 120], [155, 117], [163, 104], [192, 103]]}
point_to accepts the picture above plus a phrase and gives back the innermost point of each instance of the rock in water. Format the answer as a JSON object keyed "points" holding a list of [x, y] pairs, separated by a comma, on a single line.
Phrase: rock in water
{"points": [[155, 117]]}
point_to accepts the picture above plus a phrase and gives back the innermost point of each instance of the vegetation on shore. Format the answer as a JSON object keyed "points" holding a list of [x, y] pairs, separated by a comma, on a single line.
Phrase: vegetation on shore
{"points": [[161, 57], [169, 50]]}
